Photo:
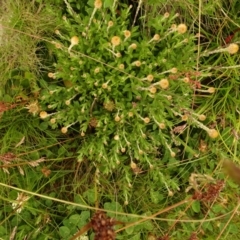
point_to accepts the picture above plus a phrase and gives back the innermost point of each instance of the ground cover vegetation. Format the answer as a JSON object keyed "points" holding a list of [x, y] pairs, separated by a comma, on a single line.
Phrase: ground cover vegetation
{"points": [[119, 120]]}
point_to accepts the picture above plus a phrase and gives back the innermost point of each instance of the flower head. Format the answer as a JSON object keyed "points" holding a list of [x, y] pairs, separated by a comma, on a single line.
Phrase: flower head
{"points": [[97, 70], [104, 85], [152, 90], [181, 28], [43, 114], [156, 37], [57, 32], [173, 27], [173, 70], [202, 117], [162, 125], [123, 150], [133, 165], [121, 66], [82, 134], [21, 199], [146, 120], [68, 102], [133, 46], [118, 54], [150, 77], [51, 75], [173, 154], [166, 15], [127, 34], [98, 4], [64, 129], [130, 114], [117, 118], [110, 23], [137, 63], [53, 120], [58, 45], [164, 83], [109, 106], [213, 133], [115, 41], [211, 90], [116, 137], [232, 48], [170, 193], [74, 41], [33, 108]]}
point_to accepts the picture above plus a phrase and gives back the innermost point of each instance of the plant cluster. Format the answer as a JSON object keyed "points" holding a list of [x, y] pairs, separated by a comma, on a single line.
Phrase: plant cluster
{"points": [[114, 118], [127, 94]]}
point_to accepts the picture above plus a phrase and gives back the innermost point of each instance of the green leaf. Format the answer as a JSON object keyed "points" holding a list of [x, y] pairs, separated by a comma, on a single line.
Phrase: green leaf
{"points": [[64, 232], [90, 195], [78, 199], [3, 231], [85, 215], [148, 226], [108, 3], [136, 237], [113, 206], [155, 196], [43, 126], [75, 219], [62, 151], [130, 230], [196, 206]]}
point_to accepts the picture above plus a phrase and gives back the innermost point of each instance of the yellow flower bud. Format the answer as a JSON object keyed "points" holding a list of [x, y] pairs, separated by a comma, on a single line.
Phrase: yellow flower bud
{"points": [[133, 165], [184, 117], [116, 137], [146, 120], [121, 66], [153, 90], [156, 37], [123, 150], [82, 134], [150, 77], [110, 23], [164, 83], [173, 154], [115, 41], [117, 118], [68, 102], [174, 70], [162, 125], [104, 85], [232, 48], [53, 120], [211, 90], [98, 4], [137, 63], [170, 193], [74, 40], [127, 33], [43, 114], [213, 133], [130, 114], [64, 129], [133, 46], [202, 117], [181, 28]]}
